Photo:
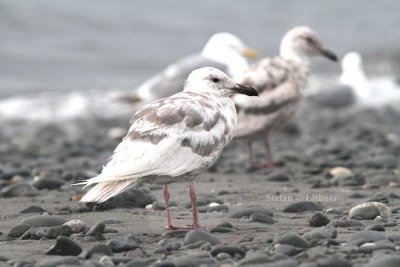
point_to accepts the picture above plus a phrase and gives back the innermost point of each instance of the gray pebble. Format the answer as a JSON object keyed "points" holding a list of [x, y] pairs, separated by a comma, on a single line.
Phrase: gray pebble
{"points": [[375, 227], [247, 212], [32, 209], [367, 236], [371, 247], [325, 232], [200, 235], [278, 176], [97, 228], [231, 250], [20, 190], [18, 230], [385, 261], [303, 206], [101, 249], [288, 249], [126, 243], [333, 261], [47, 183], [43, 221], [293, 239], [58, 261], [218, 208], [175, 234], [261, 218], [346, 223], [319, 219], [23, 263], [221, 230], [133, 198], [225, 224], [65, 247]]}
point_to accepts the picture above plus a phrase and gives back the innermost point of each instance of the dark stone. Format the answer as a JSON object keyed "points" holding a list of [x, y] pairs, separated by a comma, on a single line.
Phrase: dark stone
{"points": [[247, 212], [97, 228], [47, 183], [219, 208], [221, 230], [261, 218], [60, 230], [231, 250], [333, 261], [43, 221], [133, 198], [23, 263], [277, 176], [126, 243], [347, 223], [20, 190], [225, 224], [200, 235], [293, 239], [303, 206], [18, 230], [375, 227], [175, 234], [64, 247], [32, 209], [319, 219]]}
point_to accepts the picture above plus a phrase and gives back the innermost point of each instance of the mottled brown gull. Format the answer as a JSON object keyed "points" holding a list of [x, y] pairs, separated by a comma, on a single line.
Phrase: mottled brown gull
{"points": [[223, 51], [173, 139], [278, 81]]}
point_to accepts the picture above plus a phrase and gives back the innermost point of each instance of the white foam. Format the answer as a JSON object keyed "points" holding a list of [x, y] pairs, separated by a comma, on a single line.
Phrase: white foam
{"points": [[64, 106]]}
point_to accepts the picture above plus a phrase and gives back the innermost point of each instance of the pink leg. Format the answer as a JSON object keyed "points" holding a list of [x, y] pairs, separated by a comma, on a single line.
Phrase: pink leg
{"points": [[268, 163], [192, 194], [169, 225], [251, 154]]}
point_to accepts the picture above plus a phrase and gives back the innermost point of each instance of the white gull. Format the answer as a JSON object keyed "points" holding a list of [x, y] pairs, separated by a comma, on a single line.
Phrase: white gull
{"points": [[173, 139]]}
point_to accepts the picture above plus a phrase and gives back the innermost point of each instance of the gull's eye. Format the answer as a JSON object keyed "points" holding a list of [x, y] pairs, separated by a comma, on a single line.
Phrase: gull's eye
{"points": [[215, 80], [310, 40]]}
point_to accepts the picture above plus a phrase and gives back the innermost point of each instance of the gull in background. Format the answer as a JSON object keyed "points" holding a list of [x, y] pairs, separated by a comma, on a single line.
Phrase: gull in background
{"points": [[278, 81], [173, 139], [223, 51]]}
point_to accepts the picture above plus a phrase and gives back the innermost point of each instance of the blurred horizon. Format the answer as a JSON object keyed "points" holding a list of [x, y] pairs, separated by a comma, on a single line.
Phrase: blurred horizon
{"points": [[55, 46]]}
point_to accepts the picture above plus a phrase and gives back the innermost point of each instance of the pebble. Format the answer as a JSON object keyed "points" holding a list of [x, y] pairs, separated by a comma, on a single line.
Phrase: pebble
{"points": [[221, 230], [9, 175], [32, 209], [175, 234], [287, 249], [61, 230], [218, 208], [133, 198], [293, 239], [125, 244], [65, 247], [385, 261], [261, 218], [346, 223], [319, 219], [367, 236], [375, 227], [372, 246], [303, 206], [278, 176], [58, 261], [200, 235], [47, 183], [369, 210], [225, 224], [23, 263], [43, 221], [20, 190], [231, 250], [100, 249], [18, 230], [247, 212], [97, 228], [325, 232], [76, 226]]}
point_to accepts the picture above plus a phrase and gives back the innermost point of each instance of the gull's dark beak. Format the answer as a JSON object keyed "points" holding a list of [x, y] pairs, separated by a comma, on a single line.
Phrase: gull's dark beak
{"points": [[329, 54], [241, 89]]}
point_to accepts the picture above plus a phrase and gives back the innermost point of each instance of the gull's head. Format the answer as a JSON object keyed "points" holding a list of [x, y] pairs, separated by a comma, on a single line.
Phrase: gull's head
{"points": [[223, 45], [352, 61], [301, 42], [215, 82]]}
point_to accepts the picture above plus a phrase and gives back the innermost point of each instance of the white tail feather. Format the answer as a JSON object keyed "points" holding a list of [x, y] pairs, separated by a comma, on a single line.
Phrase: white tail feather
{"points": [[105, 190]]}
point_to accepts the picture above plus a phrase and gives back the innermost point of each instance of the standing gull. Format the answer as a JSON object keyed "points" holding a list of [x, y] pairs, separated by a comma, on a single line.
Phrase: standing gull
{"points": [[223, 51], [278, 81], [173, 139]]}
